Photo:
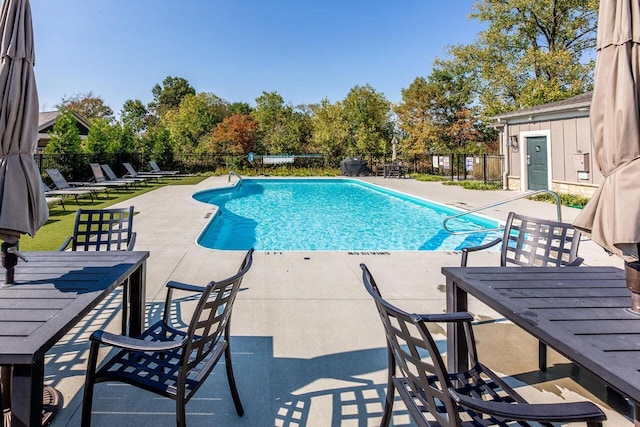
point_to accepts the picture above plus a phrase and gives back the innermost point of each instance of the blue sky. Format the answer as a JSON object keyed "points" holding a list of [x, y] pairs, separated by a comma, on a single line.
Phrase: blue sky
{"points": [[305, 50]]}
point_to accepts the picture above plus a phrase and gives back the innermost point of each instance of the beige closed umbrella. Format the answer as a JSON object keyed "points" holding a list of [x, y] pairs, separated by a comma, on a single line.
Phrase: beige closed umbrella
{"points": [[612, 216], [23, 208], [394, 148]]}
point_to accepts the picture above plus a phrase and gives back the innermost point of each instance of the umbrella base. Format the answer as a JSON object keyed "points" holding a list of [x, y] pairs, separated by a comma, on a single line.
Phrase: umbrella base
{"points": [[51, 402]]}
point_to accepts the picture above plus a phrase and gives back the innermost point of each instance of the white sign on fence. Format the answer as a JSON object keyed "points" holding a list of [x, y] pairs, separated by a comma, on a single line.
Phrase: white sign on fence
{"points": [[276, 160]]}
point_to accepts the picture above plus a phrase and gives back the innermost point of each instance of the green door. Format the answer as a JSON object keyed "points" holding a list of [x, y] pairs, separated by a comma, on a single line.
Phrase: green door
{"points": [[537, 168]]}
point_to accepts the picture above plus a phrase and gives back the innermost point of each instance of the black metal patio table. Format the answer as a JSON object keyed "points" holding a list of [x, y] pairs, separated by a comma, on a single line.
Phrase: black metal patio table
{"points": [[52, 293], [581, 312]]}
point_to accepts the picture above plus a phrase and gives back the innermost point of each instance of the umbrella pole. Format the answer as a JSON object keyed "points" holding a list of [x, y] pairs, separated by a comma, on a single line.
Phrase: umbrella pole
{"points": [[5, 373], [9, 261], [632, 271]]}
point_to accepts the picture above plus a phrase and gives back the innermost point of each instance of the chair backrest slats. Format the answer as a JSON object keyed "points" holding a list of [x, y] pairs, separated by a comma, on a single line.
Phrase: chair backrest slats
{"points": [[103, 229], [537, 242]]}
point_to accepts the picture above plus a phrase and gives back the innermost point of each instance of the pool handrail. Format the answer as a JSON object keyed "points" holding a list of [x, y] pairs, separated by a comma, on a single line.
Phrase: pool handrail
{"points": [[502, 202], [235, 174]]}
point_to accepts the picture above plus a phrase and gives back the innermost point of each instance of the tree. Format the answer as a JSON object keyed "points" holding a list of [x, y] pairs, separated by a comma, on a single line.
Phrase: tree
{"points": [[239, 108], [532, 52], [330, 129], [436, 114], [281, 129], [369, 116], [170, 94], [235, 135], [65, 143], [414, 117], [159, 144], [134, 115], [101, 139], [193, 121], [65, 137], [88, 105]]}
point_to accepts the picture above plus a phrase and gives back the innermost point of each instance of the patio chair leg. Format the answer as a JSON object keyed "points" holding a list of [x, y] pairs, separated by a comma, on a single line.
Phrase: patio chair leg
{"points": [[391, 390], [125, 306], [542, 356], [232, 381], [181, 417], [89, 383]]}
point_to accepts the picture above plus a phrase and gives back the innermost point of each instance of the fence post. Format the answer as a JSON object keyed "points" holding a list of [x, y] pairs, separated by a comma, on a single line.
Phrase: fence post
{"points": [[451, 164], [484, 168]]}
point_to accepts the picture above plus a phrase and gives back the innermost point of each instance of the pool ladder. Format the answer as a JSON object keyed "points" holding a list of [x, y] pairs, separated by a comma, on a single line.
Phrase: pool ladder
{"points": [[234, 174], [502, 202]]}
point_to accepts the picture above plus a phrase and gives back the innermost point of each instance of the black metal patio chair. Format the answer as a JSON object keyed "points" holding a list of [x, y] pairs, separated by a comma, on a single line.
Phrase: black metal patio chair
{"points": [[173, 362], [529, 241], [436, 397], [104, 230]]}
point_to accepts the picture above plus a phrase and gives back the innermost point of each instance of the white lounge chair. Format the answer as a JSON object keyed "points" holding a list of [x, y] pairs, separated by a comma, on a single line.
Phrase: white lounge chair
{"points": [[62, 184], [156, 169]]}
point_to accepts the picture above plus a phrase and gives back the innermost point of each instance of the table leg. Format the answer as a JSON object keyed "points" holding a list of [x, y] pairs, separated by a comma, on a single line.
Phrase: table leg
{"points": [[137, 295], [26, 394], [636, 414], [457, 351]]}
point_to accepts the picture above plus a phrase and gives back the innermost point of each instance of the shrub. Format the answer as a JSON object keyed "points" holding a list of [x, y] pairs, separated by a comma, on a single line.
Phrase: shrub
{"points": [[565, 199], [475, 185]]}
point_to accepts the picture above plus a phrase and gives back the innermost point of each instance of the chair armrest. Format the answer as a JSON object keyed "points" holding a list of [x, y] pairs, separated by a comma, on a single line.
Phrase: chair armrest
{"points": [[133, 344], [576, 262], [459, 316], [465, 251], [65, 244], [185, 287], [540, 412], [132, 242]]}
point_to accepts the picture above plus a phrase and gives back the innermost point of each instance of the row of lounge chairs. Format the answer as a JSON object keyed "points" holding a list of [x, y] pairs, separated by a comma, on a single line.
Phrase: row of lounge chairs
{"points": [[105, 178]]}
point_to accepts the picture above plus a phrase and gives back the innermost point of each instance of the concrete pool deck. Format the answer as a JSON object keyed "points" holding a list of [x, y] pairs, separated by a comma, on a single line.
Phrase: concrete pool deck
{"points": [[308, 346]]}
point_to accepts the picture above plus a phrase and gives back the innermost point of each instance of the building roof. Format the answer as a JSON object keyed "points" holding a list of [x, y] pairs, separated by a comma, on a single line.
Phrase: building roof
{"points": [[579, 103], [47, 119]]}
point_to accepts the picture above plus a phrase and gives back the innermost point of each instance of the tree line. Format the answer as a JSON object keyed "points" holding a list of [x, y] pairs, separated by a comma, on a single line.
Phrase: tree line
{"points": [[532, 52]]}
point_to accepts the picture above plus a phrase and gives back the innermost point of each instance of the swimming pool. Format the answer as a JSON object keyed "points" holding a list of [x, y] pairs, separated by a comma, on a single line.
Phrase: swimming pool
{"points": [[331, 215]]}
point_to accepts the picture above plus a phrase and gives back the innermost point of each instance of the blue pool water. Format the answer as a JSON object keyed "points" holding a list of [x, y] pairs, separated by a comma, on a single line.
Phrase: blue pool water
{"points": [[331, 215]]}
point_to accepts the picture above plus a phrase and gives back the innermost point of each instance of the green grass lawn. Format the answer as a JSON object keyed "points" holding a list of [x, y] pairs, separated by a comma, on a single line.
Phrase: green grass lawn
{"points": [[60, 225]]}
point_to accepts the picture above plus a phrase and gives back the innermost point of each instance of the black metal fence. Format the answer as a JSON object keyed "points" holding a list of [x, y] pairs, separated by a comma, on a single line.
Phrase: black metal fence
{"points": [[458, 167], [486, 168]]}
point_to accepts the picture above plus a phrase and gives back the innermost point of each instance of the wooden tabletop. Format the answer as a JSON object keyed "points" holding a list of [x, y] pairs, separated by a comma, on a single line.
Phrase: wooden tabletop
{"points": [[582, 312], [53, 291]]}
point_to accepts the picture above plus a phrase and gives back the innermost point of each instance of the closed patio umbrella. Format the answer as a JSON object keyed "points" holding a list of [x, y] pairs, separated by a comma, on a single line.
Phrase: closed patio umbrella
{"points": [[394, 147], [23, 208], [612, 216]]}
